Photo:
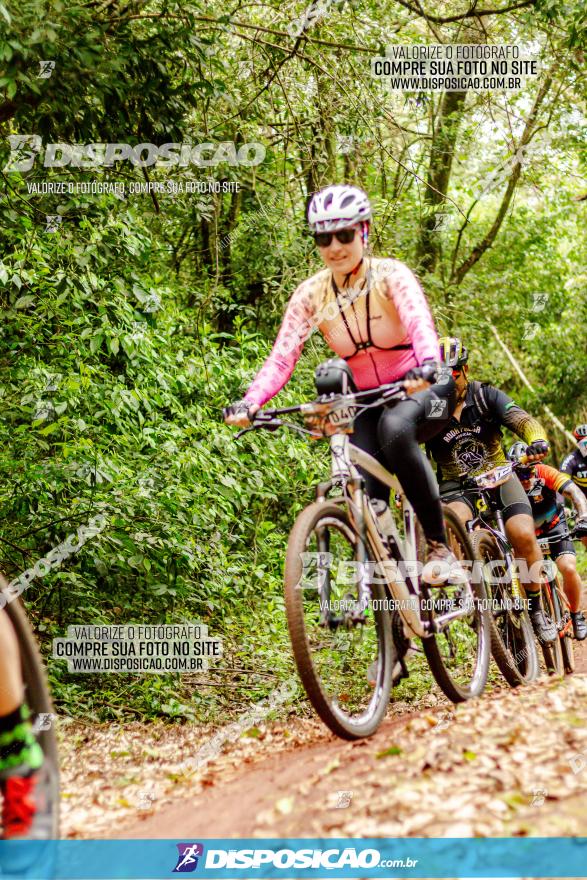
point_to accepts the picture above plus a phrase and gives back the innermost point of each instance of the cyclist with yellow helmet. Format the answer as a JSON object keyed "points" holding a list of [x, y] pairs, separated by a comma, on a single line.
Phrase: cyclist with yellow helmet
{"points": [[469, 443]]}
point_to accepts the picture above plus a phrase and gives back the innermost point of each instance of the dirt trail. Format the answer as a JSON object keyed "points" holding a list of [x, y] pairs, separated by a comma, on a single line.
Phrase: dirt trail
{"points": [[511, 763]]}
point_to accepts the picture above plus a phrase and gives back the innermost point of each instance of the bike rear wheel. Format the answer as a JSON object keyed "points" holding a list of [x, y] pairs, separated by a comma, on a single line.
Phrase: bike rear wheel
{"points": [[38, 699], [459, 656], [512, 639], [344, 658], [552, 652]]}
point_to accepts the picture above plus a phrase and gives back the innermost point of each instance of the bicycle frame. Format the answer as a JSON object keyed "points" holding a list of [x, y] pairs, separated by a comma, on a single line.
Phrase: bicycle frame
{"points": [[334, 418], [501, 540], [346, 458], [552, 580]]}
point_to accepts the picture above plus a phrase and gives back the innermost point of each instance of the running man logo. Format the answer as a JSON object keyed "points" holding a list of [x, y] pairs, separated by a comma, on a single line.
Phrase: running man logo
{"points": [[436, 409], [53, 222], [187, 860], [530, 330], [43, 721], [46, 68], [344, 799], [539, 301], [442, 221], [539, 795], [24, 149]]}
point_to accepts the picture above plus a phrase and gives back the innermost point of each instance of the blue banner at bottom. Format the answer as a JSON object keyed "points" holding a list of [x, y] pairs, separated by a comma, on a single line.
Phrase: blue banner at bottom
{"points": [[410, 857]]}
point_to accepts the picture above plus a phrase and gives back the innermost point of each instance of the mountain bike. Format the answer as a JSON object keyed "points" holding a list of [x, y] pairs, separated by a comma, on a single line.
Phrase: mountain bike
{"points": [[38, 699], [344, 576], [558, 656], [512, 638]]}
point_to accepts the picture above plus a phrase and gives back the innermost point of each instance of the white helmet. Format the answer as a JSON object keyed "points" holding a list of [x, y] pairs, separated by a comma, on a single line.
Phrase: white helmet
{"points": [[338, 206]]}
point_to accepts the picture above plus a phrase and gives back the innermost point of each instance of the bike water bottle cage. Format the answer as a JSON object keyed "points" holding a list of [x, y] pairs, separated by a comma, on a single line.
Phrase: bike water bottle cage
{"points": [[334, 376]]}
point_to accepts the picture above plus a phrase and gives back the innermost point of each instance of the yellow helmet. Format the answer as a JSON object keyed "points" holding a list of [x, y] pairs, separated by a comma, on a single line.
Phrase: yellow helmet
{"points": [[452, 351]]}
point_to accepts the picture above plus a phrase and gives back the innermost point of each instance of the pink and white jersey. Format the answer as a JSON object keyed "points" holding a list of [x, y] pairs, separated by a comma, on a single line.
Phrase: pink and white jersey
{"points": [[382, 326]]}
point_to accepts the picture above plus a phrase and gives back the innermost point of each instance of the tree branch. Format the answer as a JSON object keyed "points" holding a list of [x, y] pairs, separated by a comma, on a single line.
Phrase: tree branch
{"points": [[258, 27], [471, 13], [489, 238]]}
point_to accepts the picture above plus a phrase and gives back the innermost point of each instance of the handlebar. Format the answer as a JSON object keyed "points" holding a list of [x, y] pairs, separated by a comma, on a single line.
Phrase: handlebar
{"points": [[570, 533], [496, 476], [324, 406], [544, 539]]}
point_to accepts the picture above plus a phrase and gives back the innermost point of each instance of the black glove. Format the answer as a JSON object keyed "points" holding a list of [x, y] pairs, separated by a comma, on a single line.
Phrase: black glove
{"points": [[428, 371], [238, 408], [538, 447], [580, 529]]}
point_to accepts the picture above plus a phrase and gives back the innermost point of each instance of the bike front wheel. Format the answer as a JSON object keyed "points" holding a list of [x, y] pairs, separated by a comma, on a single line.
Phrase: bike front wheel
{"points": [[552, 651], [459, 655], [344, 652], [512, 639], [563, 655]]}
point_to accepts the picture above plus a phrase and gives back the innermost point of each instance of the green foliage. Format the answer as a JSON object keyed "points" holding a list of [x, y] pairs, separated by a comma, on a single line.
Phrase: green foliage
{"points": [[111, 404], [108, 75]]}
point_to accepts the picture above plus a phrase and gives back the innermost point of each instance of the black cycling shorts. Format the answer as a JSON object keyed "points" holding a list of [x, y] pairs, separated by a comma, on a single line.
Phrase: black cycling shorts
{"points": [[510, 497]]}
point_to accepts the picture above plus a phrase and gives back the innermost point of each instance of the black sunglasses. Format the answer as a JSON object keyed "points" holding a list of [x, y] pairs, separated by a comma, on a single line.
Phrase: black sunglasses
{"points": [[344, 236]]}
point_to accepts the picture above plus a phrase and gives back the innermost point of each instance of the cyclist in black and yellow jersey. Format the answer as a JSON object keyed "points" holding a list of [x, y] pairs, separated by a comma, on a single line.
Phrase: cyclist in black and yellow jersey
{"points": [[469, 443], [575, 463]]}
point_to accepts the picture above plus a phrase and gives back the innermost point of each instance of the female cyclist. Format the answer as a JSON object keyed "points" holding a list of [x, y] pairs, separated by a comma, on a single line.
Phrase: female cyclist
{"points": [[372, 313]]}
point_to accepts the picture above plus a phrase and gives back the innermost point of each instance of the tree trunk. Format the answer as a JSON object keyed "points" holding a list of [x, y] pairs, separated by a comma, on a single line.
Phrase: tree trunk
{"points": [[439, 169], [225, 242]]}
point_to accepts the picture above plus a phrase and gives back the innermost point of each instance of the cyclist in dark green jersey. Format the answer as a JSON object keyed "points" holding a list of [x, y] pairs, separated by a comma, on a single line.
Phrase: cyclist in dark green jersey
{"points": [[469, 443]]}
